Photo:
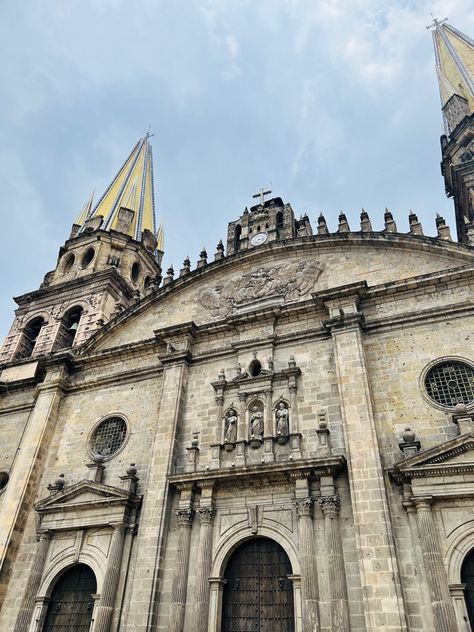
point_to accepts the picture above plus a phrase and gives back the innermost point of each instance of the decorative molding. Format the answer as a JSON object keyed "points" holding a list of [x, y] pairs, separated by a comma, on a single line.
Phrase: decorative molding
{"points": [[330, 505], [304, 507], [185, 516]]}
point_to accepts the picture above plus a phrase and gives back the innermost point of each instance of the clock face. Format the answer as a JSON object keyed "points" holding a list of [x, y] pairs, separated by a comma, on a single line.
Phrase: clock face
{"points": [[259, 239]]}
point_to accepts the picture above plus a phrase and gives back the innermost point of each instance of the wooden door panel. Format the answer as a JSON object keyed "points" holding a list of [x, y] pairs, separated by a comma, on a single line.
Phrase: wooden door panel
{"points": [[71, 605], [258, 596]]}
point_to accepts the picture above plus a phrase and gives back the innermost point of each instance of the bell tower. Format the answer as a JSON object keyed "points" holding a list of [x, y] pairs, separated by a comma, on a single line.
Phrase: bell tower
{"points": [[454, 54], [268, 221], [111, 259]]}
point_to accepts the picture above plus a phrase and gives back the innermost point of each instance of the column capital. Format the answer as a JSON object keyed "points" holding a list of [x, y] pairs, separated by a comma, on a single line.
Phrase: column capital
{"points": [[243, 397], [330, 505], [206, 514], [44, 534], [304, 507], [422, 503], [185, 517]]}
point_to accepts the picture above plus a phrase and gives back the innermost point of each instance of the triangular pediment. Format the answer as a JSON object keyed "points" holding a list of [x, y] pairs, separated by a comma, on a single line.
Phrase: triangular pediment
{"points": [[85, 493], [451, 457]]}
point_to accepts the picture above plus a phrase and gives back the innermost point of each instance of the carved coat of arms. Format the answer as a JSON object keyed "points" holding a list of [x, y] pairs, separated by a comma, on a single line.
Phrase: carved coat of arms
{"points": [[291, 281]]}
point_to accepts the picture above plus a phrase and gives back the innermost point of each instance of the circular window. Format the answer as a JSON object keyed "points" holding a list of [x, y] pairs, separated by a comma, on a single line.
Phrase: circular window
{"points": [[135, 271], [4, 478], [108, 437], [69, 262], [450, 383], [87, 257]]}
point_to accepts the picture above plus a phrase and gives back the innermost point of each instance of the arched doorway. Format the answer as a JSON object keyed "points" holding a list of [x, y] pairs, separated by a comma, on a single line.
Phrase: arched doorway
{"points": [[258, 596], [467, 577], [71, 605]]}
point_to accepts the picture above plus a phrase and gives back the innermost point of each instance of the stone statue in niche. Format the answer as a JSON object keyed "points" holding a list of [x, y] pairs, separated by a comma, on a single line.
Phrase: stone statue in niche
{"points": [[282, 419], [230, 428], [256, 422]]}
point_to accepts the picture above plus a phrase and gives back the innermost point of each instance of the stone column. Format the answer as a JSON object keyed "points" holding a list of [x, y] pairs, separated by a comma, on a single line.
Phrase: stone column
{"points": [[337, 575], [242, 430], [105, 608], [295, 435], [378, 564], [22, 486], [32, 585], [218, 435], [309, 577], [180, 580], [203, 568], [215, 605], [441, 602], [269, 430]]}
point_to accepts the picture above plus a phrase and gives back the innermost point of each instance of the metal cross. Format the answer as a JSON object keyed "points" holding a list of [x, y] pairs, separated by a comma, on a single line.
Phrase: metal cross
{"points": [[149, 134], [261, 194], [436, 22]]}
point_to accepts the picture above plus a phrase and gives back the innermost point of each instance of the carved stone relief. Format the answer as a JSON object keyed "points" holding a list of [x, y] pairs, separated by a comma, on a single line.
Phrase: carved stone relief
{"points": [[291, 281]]}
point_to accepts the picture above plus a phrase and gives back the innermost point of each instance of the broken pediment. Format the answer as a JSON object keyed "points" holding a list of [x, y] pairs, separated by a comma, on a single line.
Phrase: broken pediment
{"points": [[452, 457]]}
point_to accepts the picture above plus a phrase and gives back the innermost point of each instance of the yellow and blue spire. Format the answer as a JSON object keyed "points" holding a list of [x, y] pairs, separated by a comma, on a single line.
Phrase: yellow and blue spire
{"points": [[454, 53], [131, 188]]}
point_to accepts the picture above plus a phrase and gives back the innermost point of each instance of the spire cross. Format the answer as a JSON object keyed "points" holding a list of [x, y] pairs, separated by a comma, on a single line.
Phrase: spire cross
{"points": [[149, 134], [261, 194], [436, 22]]}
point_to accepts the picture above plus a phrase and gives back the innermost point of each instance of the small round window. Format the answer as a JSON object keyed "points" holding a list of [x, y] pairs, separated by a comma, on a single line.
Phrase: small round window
{"points": [[69, 262], [108, 437], [87, 257], [450, 383]]}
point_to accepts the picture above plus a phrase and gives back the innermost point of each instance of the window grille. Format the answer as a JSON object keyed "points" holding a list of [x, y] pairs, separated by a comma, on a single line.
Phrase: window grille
{"points": [[451, 383], [109, 436]]}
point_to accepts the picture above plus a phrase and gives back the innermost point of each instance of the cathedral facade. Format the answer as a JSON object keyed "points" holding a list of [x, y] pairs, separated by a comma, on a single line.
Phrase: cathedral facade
{"points": [[278, 438]]}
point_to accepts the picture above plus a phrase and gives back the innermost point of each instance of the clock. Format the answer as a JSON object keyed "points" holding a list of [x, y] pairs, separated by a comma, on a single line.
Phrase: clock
{"points": [[259, 239]]}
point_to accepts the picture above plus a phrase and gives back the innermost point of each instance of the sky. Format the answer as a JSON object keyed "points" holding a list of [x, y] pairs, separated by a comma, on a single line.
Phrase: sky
{"points": [[333, 104]]}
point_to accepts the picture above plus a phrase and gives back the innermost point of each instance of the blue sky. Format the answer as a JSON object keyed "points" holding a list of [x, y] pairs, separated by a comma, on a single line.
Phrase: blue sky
{"points": [[333, 102]]}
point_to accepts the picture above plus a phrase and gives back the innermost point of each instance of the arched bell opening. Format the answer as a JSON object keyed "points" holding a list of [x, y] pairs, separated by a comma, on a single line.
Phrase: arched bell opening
{"points": [[29, 338], [71, 604], [68, 329], [237, 235], [467, 578], [258, 589]]}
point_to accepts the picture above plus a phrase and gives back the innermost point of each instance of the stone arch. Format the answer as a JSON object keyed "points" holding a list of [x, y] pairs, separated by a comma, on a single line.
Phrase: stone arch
{"points": [[241, 534], [460, 543], [95, 559]]}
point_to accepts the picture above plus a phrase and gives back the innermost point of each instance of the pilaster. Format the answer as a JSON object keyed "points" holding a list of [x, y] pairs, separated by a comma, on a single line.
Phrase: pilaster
{"points": [[105, 608], [206, 513], [377, 562], [180, 581]]}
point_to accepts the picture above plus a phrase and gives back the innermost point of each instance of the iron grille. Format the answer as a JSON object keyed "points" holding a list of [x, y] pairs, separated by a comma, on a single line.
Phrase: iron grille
{"points": [[451, 383], [109, 436]]}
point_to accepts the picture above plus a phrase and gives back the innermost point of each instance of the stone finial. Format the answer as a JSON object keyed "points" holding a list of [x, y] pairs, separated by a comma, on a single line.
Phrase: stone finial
{"points": [[186, 269], [239, 369], [246, 211], [58, 485], [292, 362], [408, 444], [323, 433], [96, 468], [390, 225], [415, 225], [463, 419], [219, 251], [202, 258], [130, 480], [193, 453], [221, 376], [270, 364], [343, 224], [442, 228], [169, 276], [322, 226], [365, 223]]}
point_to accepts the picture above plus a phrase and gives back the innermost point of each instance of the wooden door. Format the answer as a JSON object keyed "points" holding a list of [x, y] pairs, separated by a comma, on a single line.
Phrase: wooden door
{"points": [[71, 605], [467, 577], [258, 596]]}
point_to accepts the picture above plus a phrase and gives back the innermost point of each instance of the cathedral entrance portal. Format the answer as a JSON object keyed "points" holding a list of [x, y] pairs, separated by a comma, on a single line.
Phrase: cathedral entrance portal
{"points": [[258, 596], [72, 604]]}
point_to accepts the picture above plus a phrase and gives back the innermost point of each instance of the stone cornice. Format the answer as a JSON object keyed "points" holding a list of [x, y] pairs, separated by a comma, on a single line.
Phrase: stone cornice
{"points": [[263, 474]]}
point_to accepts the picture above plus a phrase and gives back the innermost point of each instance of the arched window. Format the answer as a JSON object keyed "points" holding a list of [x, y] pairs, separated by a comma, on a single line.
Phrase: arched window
{"points": [[72, 603], [68, 329], [237, 234], [467, 577], [258, 592], [29, 338]]}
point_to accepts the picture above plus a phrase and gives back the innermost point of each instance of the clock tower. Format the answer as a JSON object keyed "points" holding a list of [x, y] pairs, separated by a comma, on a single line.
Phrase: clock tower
{"points": [[271, 220]]}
